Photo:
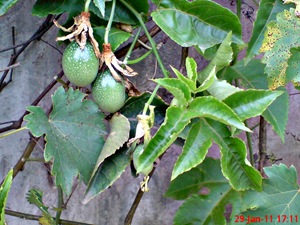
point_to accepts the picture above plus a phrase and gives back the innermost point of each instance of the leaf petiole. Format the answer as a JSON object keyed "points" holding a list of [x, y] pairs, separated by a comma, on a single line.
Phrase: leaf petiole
{"points": [[12, 132], [132, 46], [139, 59]]}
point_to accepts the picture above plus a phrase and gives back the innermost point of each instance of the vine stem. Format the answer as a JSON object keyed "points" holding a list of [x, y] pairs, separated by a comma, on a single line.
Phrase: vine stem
{"points": [[143, 39], [47, 24], [153, 45], [132, 46], [135, 204], [17, 124], [108, 27], [35, 217]]}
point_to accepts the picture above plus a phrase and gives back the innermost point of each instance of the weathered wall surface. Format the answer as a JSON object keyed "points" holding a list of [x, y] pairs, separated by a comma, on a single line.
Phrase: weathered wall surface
{"points": [[39, 64]]}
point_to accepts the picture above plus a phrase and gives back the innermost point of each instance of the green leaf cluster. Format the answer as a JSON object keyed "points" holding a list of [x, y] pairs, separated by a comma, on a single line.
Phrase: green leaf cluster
{"points": [[207, 193], [219, 115], [209, 107]]}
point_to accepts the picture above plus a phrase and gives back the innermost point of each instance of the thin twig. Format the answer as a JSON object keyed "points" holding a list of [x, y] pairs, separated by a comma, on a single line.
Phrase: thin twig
{"points": [[10, 67], [47, 24], [144, 39], [262, 145], [14, 52], [72, 192], [17, 124], [26, 154], [184, 55], [35, 217], [136, 202], [46, 42]]}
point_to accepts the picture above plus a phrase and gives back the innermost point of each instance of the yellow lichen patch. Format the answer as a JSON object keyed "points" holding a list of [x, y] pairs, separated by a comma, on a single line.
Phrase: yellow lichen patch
{"points": [[280, 37], [271, 36], [287, 15]]}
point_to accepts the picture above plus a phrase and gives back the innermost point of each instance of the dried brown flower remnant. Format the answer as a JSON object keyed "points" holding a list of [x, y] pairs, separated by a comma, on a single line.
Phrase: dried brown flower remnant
{"points": [[114, 65], [81, 29]]}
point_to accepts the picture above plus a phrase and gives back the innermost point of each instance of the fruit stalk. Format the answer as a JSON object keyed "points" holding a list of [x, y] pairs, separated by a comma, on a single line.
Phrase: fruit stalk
{"points": [[107, 29], [87, 5]]}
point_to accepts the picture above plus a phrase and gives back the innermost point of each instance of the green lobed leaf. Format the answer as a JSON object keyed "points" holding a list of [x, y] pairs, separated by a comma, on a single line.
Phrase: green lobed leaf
{"points": [[107, 174], [280, 37], [268, 9], [222, 59], [190, 182], [194, 150], [211, 107], [74, 132], [178, 117], [5, 5], [221, 89], [277, 114], [191, 69], [177, 88], [43, 8], [190, 83], [119, 133], [116, 37], [251, 76], [4, 189], [240, 174], [185, 22], [175, 121], [208, 207], [135, 159], [280, 196], [191, 79], [293, 70], [251, 103], [208, 81], [35, 197]]}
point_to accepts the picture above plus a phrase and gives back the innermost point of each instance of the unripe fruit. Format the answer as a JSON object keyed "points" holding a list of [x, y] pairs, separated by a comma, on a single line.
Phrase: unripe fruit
{"points": [[80, 65], [136, 154], [108, 93]]}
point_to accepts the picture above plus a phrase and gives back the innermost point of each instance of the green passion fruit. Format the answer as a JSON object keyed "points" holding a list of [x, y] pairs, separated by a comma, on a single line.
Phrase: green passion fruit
{"points": [[80, 65], [108, 93]]}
